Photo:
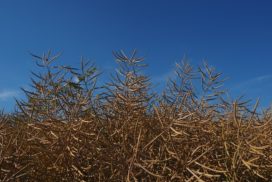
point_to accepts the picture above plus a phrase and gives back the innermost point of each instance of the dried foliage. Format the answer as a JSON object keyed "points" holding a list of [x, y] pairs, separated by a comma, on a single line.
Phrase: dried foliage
{"points": [[59, 93], [67, 130]]}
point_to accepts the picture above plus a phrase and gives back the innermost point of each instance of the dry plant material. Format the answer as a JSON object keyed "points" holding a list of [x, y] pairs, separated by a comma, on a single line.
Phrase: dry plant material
{"points": [[68, 129]]}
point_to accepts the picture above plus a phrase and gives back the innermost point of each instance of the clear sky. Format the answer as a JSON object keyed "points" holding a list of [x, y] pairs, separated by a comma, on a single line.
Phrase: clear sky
{"points": [[233, 36]]}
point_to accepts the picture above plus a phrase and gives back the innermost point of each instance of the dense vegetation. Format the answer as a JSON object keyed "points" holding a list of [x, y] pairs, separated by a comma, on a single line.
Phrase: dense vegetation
{"points": [[72, 129]]}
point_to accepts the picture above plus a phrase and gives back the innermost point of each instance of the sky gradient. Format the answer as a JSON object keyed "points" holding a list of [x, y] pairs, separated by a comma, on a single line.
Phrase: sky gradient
{"points": [[233, 36]]}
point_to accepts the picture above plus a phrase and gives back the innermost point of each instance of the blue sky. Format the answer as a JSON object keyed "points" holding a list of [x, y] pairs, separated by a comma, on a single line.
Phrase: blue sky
{"points": [[233, 36]]}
